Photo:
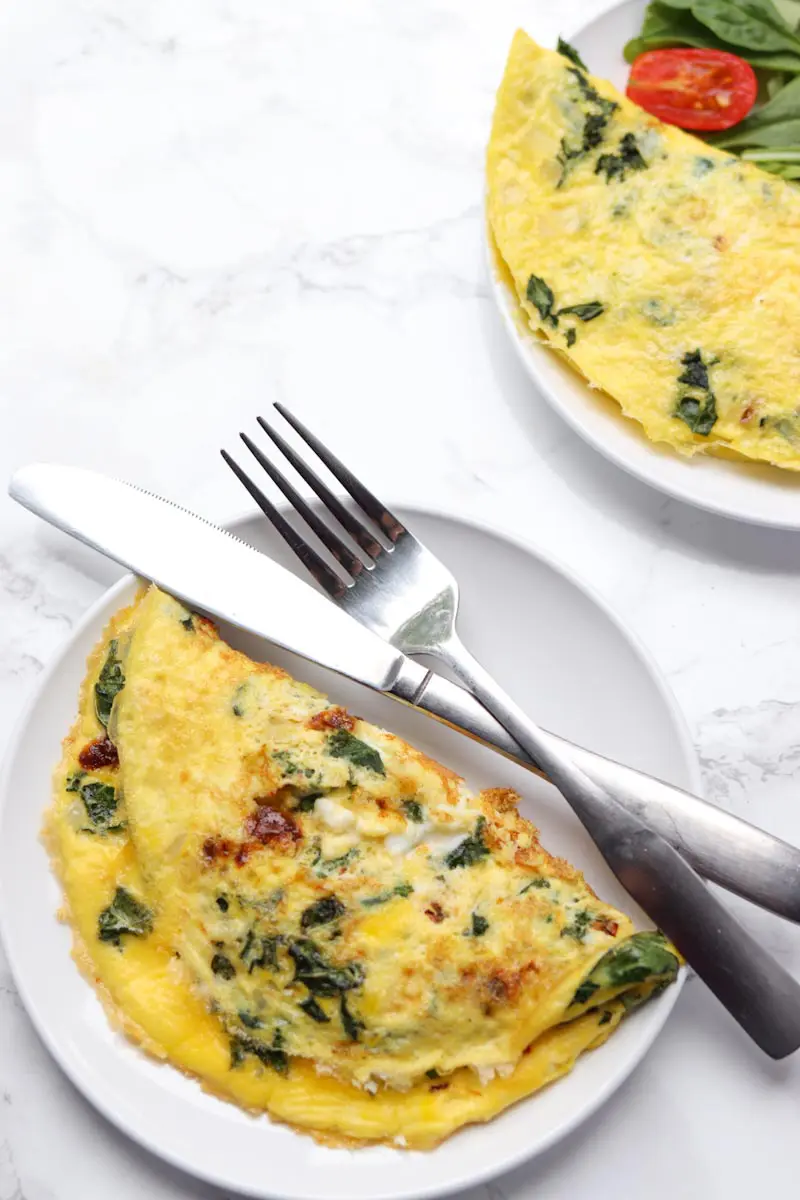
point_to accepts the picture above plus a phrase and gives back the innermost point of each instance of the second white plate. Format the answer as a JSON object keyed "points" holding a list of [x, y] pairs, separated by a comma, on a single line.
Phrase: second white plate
{"points": [[576, 669], [759, 494]]}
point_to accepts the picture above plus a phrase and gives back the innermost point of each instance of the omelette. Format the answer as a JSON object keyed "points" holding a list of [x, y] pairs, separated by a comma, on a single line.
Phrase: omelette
{"points": [[309, 916], [666, 271]]}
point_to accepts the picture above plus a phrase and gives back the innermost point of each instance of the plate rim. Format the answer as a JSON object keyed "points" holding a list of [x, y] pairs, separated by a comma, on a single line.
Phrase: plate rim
{"points": [[528, 347], [689, 760]]}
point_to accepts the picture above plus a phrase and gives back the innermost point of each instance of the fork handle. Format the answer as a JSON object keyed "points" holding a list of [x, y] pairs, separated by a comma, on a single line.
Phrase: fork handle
{"points": [[723, 848], [756, 990]]}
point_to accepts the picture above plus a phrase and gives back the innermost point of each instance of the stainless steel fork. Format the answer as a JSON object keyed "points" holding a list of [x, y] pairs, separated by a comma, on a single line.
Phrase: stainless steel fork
{"points": [[401, 590]]}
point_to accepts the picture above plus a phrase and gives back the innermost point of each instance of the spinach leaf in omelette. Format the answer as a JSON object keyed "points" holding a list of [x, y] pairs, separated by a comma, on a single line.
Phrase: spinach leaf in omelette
{"points": [[351, 1024], [400, 889], [571, 53], [628, 158], [414, 811], [343, 744], [596, 113], [110, 682], [330, 866], [321, 977], [222, 966], [472, 850], [260, 951], [125, 915], [100, 801], [273, 1056], [322, 912], [578, 926], [641, 958], [540, 295], [699, 412], [314, 1010], [478, 926]]}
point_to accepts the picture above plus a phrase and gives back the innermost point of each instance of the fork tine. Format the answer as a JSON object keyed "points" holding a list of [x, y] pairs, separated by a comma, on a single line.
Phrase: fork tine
{"points": [[325, 576], [371, 505], [351, 562], [357, 531]]}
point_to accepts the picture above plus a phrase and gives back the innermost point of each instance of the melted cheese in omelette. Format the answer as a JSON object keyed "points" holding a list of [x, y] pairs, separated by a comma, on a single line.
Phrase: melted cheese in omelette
{"points": [[666, 271], [309, 915]]}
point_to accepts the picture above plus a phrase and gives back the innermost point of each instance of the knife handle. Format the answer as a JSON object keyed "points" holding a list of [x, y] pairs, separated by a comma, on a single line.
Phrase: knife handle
{"points": [[757, 991], [723, 848]]}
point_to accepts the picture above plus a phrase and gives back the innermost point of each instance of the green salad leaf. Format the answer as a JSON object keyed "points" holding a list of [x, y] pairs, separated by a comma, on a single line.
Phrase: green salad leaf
{"points": [[766, 33]]}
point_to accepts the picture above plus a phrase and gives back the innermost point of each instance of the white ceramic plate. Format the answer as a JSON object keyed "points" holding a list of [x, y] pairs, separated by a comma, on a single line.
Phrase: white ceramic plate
{"points": [[568, 659], [750, 492]]}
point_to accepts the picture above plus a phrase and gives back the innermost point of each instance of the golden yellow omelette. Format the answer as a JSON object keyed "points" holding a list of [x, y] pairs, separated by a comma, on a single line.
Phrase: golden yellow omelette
{"points": [[307, 914], [666, 271]]}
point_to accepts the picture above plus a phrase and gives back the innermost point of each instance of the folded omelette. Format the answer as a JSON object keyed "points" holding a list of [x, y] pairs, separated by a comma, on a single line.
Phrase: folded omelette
{"points": [[310, 916], [666, 271]]}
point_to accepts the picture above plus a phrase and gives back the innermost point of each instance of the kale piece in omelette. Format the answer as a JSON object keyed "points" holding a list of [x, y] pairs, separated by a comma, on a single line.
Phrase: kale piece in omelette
{"points": [[322, 961], [680, 262]]}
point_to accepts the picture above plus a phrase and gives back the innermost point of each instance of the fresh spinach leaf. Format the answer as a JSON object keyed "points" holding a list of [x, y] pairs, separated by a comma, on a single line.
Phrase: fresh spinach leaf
{"points": [[571, 53], [343, 744], [322, 912], [472, 850], [413, 810], [665, 25], [753, 24], [785, 168], [110, 683], [790, 12], [570, 337], [125, 915], [776, 123], [74, 781]]}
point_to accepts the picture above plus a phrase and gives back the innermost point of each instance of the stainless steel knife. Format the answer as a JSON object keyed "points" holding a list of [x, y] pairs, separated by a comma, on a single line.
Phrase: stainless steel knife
{"points": [[215, 571]]}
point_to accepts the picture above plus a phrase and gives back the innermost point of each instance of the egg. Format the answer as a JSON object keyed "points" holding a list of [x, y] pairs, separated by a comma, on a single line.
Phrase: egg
{"points": [[307, 914], [664, 270]]}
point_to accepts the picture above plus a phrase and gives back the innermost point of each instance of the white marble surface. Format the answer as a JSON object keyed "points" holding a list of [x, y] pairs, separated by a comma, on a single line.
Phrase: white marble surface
{"points": [[206, 205]]}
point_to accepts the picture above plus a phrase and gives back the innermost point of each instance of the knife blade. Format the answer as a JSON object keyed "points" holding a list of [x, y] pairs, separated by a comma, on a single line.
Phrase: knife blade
{"points": [[211, 569]]}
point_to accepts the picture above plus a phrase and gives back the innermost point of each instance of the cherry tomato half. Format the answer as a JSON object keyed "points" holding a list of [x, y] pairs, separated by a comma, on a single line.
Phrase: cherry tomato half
{"points": [[695, 89]]}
